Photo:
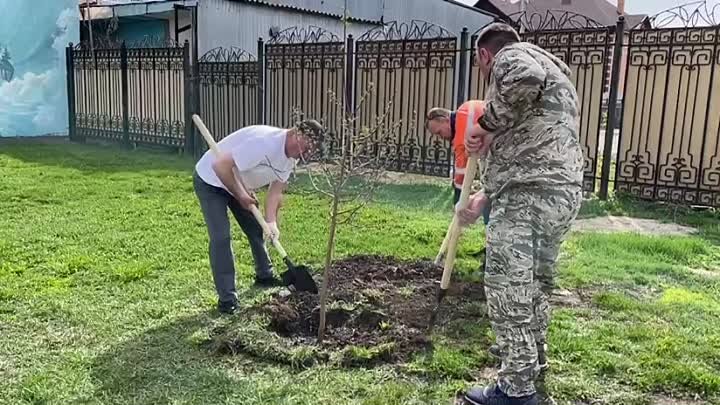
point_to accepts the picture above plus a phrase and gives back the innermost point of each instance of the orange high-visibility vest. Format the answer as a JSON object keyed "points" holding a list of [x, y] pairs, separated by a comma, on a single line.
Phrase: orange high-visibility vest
{"points": [[465, 118]]}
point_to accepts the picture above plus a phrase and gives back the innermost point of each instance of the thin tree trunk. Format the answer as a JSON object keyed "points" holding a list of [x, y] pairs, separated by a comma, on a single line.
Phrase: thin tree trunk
{"points": [[326, 271], [337, 191]]}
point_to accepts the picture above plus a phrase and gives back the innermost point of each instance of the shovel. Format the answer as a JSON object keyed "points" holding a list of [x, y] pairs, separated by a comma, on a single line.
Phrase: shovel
{"points": [[443, 248], [452, 237], [297, 276]]}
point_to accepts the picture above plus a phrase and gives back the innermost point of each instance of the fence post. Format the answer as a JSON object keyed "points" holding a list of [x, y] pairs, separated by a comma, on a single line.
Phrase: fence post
{"points": [[349, 74], [195, 104], [463, 67], [124, 89], [261, 82], [612, 110], [188, 99], [70, 71]]}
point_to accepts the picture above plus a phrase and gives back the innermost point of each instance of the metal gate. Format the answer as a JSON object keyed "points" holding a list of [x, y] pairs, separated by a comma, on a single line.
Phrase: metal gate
{"points": [[227, 91], [403, 70], [130, 93], [304, 74], [669, 148], [587, 48]]}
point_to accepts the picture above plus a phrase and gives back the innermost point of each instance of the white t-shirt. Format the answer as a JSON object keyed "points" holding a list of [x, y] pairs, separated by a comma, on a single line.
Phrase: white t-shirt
{"points": [[259, 154]]}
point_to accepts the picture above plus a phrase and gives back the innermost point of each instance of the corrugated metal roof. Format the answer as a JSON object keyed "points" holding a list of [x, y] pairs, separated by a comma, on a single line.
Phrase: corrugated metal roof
{"points": [[365, 10], [600, 11]]}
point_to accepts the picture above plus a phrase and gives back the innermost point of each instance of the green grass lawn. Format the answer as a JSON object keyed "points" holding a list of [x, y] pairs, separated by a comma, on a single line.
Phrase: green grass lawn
{"points": [[106, 295]]}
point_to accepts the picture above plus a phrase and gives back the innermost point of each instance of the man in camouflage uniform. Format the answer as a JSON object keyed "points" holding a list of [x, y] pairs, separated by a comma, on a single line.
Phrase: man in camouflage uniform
{"points": [[534, 173]]}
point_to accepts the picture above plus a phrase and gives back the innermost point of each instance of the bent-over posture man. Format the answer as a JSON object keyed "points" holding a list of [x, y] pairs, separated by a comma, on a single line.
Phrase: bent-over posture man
{"points": [[534, 174], [452, 126], [263, 156]]}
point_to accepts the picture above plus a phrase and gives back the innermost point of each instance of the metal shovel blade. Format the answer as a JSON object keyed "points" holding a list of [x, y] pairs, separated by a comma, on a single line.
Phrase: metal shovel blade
{"points": [[433, 315], [300, 278]]}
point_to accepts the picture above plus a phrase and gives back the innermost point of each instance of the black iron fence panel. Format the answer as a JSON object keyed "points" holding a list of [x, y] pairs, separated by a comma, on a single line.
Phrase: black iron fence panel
{"points": [[156, 89], [669, 148], [305, 80], [587, 49], [133, 95], [587, 54], [399, 76], [98, 94], [228, 86]]}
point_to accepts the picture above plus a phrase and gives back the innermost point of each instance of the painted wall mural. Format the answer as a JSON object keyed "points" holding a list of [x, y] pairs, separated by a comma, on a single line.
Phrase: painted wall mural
{"points": [[33, 38]]}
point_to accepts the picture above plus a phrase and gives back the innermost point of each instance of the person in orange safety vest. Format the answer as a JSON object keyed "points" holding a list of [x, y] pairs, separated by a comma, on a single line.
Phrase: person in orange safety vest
{"points": [[452, 126]]}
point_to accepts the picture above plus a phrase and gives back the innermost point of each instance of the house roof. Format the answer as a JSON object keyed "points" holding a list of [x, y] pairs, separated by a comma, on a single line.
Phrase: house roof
{"points": [[468, 5], [601, 11], [372, 11], [100, 9], [360, 11]]}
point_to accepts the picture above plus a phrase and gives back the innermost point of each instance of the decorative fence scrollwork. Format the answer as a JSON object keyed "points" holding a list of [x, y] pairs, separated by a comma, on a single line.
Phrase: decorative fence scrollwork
{"points": [[396, 31], [694, 14], [129, 94], [404, 70], [228, 55], [299, 35], [669, 148], [553, 20], [586, 47], [111, 43], [227, 87], [305, 73]]}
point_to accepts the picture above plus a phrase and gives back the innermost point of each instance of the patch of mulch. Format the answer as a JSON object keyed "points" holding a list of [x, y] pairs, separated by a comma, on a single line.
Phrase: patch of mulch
{"points": [[374, 302]]}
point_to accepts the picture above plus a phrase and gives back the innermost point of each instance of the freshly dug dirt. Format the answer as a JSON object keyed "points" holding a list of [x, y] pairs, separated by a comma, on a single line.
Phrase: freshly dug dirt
{"points": [[375, 302]]}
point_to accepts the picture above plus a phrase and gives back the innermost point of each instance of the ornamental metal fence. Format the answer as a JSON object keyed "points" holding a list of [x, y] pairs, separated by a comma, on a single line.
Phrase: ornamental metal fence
{"points": [[659, 141]]}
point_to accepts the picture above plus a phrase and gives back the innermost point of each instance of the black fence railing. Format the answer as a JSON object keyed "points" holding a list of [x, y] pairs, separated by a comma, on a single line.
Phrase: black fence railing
{"points": [[667, 148], [227, 86], [132, 95]]}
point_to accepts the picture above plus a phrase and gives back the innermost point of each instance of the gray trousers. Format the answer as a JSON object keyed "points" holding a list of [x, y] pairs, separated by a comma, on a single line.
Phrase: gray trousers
{"points": [[214, 202]]}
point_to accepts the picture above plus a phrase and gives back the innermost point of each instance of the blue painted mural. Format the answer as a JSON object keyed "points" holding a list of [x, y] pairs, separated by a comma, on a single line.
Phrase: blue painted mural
{"points": [[33, 37]]}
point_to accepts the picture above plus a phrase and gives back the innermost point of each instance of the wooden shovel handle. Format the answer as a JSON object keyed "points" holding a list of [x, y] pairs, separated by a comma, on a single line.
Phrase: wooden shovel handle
{"points": [[254, 209], [454, 234]]}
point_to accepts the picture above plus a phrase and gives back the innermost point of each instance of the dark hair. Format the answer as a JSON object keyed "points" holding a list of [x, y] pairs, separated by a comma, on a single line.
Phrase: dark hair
{"points": [[496, 36], [436, 113], [313, 130]]}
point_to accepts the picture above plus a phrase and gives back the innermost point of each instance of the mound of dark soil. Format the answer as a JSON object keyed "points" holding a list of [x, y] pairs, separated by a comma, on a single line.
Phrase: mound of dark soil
{"points": [[373, 302]]}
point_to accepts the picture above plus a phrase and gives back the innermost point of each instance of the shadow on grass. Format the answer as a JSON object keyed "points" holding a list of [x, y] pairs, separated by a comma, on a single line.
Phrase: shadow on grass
{"points": [[94, 157], [162, 365], [172, 363]]}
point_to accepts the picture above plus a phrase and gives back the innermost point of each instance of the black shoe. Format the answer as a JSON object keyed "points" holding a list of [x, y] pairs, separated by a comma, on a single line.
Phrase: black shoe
{"points": [[491, 395], [267, 282], [227, 307], [496, 352]]}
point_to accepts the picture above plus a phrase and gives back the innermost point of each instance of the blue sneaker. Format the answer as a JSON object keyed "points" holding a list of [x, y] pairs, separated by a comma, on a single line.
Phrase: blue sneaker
{"points": [[491, 395]]}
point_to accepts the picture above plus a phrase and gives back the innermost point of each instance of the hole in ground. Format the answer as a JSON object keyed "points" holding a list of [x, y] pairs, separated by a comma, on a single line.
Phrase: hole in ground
{"points": [[378, 311]]}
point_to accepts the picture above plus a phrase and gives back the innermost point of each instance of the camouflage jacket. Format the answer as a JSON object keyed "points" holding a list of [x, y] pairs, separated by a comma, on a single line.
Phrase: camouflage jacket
{"points": [[532, 111]]}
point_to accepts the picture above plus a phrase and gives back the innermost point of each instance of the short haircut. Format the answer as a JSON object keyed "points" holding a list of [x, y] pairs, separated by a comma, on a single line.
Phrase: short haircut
{"points": [[496, 36], [436, 113], [313, 130]]}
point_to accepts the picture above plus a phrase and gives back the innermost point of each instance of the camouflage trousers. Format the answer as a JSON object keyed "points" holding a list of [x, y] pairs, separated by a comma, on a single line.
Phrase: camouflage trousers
{"points": [[524, 234]]}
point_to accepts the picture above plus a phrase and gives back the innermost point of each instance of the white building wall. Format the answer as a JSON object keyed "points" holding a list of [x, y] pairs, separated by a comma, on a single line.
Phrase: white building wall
{"points": [[223, 23], [447, 14], [184, 18]]}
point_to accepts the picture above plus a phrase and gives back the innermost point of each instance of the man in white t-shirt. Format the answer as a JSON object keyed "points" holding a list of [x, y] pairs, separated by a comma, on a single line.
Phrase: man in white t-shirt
{"points": [[263, 156]]}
